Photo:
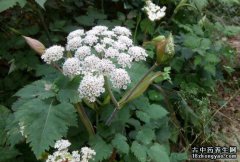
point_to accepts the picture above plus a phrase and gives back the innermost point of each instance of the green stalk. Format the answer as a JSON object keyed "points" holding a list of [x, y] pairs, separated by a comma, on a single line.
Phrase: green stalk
{"points": [[155, 65], [84, 118], [119, 106], [114, 100]]}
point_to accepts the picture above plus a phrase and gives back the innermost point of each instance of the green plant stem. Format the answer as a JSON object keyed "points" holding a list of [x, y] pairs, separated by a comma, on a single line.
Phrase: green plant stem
{"points": [[114, 100], [119, 106], [136, 29], [108, 87], [84, 118], [155, 65]]}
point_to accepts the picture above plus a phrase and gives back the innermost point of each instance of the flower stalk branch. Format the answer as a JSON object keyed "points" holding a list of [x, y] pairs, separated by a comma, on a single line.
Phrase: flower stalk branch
{"points": [[84, 118], [155, 65], [120, 105]]}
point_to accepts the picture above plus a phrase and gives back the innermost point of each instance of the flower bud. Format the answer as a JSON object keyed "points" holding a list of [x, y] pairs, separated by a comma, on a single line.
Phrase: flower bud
{"points": [[36, 45], [164, 49]]}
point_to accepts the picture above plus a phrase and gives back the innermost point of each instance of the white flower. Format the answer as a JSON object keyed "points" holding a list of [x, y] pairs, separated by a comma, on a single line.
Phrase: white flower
{"points": [[119, 30], [90, 40], [91, 87], [82, 52], [75, 33], [90, 64], [99, 47], [120, 78], [125, 40], [137, 53], [108, 33], [154, 12], [87, 154], [100, 28], [74, 44], [107, 41], [62, 154], [124, 60], [105, 66], [52, 54], [111, 52], [62, 144], [120, 46], [75, 156], [72, 67]]}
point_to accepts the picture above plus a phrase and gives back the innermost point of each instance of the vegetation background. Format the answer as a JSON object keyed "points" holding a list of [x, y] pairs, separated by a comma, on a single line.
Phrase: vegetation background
{"points": [[196, 103]]}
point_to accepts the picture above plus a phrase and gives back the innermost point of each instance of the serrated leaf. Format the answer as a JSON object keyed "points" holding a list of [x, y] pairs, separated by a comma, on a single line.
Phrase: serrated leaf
{"points": [[103, 149], [178, 157], [41, 2], [119, 142], [156, 111], [140, 151], [68, 95], [143, 116], [6, 4], [158, 153], [4, 113], [145, 135], [7, 153], [45, 123], [40, 89], [13, 131]]}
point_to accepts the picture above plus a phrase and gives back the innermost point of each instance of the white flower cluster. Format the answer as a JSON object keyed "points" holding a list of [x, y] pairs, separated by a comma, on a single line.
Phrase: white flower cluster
{"points": [[99, 53], [153, 11], [53, 54], [62, 153]]}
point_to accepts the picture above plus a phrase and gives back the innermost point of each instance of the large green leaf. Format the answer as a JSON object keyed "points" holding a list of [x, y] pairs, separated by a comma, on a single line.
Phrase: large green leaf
{"points": [[103, 149], [45, 123], [140, 151], [145, 135], [119, 142], [158, 153], [41, 89], [7, 154], [6, 4], [4, 113], [41, 2]]}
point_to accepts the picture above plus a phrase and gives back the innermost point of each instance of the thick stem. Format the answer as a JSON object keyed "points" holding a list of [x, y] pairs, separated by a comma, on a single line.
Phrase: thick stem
{"points": [[84, 118], [155, 65], [108, 87], [119, 106]]}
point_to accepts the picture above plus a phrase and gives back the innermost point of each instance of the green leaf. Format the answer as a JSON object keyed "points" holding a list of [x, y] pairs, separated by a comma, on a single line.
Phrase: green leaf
{"points": [[103, 149], [119, 142], [40, 89], [158, 153], [4, 113], [7, 153], [156, 111], [145, 135], [6, 4], [140, 89], [41, 2], [45, 123], [147, 26], [143, 116], [178, 157], [200, 4], [140, 151], [85, 20], [155, 95]]}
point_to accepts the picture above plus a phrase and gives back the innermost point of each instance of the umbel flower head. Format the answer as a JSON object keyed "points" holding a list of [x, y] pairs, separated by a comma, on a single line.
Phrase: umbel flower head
{"points": [[62, 153], [153, 11], [97, 54]]}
